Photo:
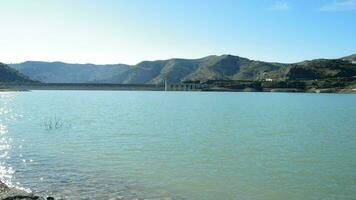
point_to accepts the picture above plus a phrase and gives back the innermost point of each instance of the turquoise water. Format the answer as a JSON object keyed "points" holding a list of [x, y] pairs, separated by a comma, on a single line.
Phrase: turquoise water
{"points": [[179, 145]]}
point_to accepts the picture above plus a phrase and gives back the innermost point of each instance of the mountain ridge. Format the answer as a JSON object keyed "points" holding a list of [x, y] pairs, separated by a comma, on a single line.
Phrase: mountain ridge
{"points": [[176, 70]]}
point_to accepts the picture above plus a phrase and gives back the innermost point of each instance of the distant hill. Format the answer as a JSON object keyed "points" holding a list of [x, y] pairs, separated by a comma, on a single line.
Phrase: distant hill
{"points": [[59, 72], [224, 67], [8, 74]]}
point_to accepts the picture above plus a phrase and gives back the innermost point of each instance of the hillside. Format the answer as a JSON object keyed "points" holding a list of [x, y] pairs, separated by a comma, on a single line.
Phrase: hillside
{"points": [[321, 69], [224, 67], [8, 74], [314, 69], [228, 67]]}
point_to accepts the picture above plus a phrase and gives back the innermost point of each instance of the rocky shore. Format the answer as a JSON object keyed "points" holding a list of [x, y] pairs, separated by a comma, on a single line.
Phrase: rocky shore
{"points": [[8, 193]]}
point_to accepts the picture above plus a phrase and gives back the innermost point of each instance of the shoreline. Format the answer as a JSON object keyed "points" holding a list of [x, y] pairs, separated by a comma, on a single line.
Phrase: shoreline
{"points": [[191, 87], [269, 90], [288, 90]]}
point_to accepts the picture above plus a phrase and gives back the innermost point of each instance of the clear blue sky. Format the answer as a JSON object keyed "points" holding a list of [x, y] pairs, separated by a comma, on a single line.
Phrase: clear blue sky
{"points": [[118, 31]]}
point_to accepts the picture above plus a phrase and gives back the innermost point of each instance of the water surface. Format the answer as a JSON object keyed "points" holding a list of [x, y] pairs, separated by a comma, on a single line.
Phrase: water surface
{"points": [[179, 145]]}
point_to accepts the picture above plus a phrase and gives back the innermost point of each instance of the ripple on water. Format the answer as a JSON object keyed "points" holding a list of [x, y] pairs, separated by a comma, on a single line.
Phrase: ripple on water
{"points": [[134, 145], [7, 172]]}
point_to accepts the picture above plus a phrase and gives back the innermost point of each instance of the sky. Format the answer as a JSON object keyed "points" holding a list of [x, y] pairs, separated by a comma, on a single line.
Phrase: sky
{"points": [[130, 31]]}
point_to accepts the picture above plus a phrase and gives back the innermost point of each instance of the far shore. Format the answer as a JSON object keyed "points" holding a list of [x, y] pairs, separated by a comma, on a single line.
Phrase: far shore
{"points": [[273, 90], [242, 86]]}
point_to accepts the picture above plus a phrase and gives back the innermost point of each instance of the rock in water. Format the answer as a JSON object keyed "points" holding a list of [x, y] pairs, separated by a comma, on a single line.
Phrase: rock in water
{"points": [[8, 193]]}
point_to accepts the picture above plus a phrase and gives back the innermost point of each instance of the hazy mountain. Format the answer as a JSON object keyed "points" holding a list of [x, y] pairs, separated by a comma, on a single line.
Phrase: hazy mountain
{"points": [[8, 74], [225, 67], [58, 72]]}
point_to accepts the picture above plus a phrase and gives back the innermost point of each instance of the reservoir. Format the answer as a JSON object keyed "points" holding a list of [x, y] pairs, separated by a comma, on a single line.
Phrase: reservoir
{"points": [[179, 145]]}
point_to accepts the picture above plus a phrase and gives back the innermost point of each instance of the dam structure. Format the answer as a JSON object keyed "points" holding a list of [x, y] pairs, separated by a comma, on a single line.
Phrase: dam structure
{"points": [[184, 87], [96, 86], [80, 86]]}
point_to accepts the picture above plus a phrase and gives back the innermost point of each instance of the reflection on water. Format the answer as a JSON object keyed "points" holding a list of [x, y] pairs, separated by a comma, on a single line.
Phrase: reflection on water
{"points": [[7, 172]]}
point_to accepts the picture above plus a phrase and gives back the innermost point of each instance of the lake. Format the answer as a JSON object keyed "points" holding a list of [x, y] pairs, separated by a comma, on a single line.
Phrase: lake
{"points": [[179, 145]]}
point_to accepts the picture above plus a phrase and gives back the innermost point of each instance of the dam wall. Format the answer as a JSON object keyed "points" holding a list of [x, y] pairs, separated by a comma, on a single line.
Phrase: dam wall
{"points": [[80, 86]]}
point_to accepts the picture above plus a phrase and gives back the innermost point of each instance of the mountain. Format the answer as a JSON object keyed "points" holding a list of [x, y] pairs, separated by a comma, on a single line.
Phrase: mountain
{"points": [[154, 72], [59, 72], [8, 74], [351, 58], [176, 70], [228, 67], [224, 67]]}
